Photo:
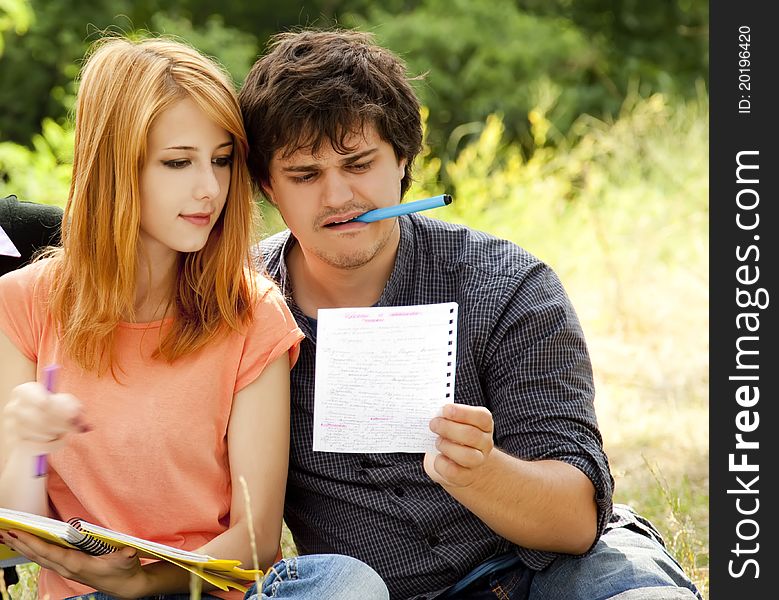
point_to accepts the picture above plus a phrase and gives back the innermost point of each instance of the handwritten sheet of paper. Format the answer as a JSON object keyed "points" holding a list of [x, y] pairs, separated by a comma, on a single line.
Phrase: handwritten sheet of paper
{"points": [[381, 374]]}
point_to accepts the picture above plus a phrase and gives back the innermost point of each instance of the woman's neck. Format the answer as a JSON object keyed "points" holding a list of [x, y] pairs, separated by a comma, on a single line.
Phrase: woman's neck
{"points": [[154, 288]]}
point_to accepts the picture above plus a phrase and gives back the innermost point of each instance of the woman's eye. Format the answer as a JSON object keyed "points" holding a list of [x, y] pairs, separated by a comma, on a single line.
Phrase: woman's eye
{"points": [[176, 164], [223, 161]]}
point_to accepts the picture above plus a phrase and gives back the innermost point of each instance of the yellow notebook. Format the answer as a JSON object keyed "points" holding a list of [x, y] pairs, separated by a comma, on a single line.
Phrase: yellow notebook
{"points": [[98, 540]]}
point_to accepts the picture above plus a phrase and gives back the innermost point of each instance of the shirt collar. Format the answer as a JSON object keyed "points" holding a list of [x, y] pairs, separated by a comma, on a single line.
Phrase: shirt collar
{"points": [[400, 279], [283, 273]]}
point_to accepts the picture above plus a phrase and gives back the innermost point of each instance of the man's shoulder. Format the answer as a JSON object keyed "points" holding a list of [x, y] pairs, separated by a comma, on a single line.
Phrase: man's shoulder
{"points": [[269, 251], [460, 246], [274, 243]]}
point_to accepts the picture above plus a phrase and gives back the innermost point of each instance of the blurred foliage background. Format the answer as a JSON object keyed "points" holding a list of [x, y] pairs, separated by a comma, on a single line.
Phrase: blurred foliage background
{"points": [[576, 128], [482, 56]]}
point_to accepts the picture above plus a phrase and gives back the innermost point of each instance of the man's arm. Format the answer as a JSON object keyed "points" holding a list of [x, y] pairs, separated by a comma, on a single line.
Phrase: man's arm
{"points": [[544, 505], [545, 485]]}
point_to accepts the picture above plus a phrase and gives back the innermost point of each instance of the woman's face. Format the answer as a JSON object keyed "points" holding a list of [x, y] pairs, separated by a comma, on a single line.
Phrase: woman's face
{"points": [[184, 180]]}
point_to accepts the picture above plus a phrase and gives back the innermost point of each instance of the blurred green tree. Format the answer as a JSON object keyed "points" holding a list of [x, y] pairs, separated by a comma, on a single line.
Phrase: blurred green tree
{"points": [[664, 46], [510, 57], [15, 15], [40, 63], [487, 56], [38, 66], [562, 57]]}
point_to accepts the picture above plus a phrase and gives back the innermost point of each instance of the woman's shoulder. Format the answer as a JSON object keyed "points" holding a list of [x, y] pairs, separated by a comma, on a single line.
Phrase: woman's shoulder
{"points": [[264, 287], [29, 277], [269, 303], [25, 294]]}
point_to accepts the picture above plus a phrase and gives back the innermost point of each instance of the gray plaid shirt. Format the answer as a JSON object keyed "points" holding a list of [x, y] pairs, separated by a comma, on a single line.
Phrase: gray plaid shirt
{"points": [[520, 352]]}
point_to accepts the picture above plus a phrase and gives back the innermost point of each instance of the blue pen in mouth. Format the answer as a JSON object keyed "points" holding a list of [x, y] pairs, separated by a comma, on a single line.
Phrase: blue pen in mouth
{"points": [[404, 209]]}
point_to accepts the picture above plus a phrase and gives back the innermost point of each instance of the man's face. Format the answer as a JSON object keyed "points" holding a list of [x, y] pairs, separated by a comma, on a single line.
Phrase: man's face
{"points": [[315, 194]]}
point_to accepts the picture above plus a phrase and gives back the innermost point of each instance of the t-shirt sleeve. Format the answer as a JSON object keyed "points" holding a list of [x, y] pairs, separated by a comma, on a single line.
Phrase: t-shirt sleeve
{"points": [[272, 333], [21, 311]]}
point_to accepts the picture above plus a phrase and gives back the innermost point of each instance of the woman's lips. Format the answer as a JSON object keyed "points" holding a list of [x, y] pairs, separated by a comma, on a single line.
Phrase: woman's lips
{"points": [[198, 219]]}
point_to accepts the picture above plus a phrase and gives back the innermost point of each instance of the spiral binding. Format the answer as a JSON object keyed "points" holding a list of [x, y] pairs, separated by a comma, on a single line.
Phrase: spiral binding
{"points": [[449, 353], [90, 544]]}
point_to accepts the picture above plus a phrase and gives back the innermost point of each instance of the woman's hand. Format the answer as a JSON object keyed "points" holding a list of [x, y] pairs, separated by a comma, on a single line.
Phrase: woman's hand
{"points": [[34, 422], [117, 574], [39, 419]]}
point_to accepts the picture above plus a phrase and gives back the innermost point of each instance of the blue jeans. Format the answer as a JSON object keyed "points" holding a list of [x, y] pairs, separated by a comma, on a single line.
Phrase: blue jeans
{"points": [[101, 596], [629, 562], [321, 577], [313, 577]]}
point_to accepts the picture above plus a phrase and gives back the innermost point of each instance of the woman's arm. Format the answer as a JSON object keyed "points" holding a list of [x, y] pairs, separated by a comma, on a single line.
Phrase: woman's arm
{"points": [[32, 422], [258, 446]]}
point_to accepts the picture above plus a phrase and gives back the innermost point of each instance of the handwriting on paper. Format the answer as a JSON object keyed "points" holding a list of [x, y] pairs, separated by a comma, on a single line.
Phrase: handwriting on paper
{"points": [[381, 374]]}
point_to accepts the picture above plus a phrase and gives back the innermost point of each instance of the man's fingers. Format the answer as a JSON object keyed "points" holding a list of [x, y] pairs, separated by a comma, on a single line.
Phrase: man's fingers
{"points": [[477, 416], [460, 433], [465, 456], [450, 471]]}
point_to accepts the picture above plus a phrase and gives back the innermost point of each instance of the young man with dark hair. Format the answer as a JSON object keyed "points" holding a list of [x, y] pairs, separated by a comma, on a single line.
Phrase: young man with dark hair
{"points": [[520, 486]]}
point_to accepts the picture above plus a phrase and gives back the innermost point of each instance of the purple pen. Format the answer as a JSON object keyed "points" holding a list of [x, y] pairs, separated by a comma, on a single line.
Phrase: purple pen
{"points": [[41, 464]]}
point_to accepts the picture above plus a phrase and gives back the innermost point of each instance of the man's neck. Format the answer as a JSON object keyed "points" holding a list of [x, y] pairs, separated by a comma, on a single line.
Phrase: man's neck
{"points": [[316, 284]]}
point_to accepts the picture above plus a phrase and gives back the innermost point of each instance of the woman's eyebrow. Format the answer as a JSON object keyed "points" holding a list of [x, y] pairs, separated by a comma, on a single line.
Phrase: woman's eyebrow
{"points": [[222, 145]]}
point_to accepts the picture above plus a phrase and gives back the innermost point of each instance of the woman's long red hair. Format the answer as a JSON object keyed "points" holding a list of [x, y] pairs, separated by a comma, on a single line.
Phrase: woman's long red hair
{"points": [[124, 86]]}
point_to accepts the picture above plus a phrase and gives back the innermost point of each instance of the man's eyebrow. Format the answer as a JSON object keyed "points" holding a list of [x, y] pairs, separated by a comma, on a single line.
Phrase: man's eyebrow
{"points": [[299, 168], [360, 155], [223, 145], [347, 160]]}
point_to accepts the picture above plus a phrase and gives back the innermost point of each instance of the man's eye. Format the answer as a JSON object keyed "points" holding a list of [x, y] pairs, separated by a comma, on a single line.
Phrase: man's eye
{"points": [[305, 178], [179, 163], [361, 166], [223, 161]]}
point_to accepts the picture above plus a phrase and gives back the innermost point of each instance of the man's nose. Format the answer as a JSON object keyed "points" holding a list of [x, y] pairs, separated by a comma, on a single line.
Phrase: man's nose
{"points": [[336, 190]]}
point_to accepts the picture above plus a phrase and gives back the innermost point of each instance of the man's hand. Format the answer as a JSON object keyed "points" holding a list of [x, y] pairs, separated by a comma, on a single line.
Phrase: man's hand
{"points": [[117, 574], [464, 444]]}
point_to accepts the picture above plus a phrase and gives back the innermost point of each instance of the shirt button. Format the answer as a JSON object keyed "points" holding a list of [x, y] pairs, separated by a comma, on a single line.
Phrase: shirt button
{"points": [[433, 541], [399, 491]]}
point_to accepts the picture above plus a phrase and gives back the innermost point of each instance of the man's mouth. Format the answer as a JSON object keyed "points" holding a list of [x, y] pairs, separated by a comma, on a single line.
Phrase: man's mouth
{"points": [[337, 220]]}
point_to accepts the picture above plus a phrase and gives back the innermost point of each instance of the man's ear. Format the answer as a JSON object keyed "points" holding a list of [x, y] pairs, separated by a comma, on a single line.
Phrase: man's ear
{"points": [[402, 167], [267, 191]]}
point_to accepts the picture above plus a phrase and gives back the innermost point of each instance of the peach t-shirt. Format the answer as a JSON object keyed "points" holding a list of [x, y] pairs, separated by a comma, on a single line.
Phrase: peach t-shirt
{"points": [[155, 464]]}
